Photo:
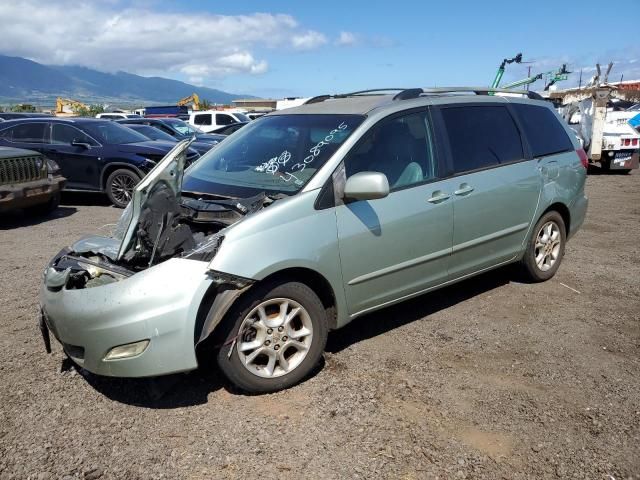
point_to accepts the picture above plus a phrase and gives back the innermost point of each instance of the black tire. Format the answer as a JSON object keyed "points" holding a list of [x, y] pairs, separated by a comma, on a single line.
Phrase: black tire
{"points": [[45, 208], [120, 185], [228, 356], [531, 270]]}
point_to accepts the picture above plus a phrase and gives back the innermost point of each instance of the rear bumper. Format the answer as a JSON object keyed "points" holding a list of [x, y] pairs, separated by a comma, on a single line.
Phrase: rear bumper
{"points": [[623, 159], [159, 304], [29, 194], [577, 212]]}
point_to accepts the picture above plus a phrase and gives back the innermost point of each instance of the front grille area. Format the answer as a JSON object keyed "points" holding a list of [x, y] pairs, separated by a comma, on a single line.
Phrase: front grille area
{"points": [[22, 169]]}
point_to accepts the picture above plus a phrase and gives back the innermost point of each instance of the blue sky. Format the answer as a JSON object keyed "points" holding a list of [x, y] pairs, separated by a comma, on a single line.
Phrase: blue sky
{"points": [[286, 47], [421, 43]]}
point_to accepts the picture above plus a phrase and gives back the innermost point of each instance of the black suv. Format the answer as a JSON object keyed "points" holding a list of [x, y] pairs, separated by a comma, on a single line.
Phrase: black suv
{"points": [[93, 154]]}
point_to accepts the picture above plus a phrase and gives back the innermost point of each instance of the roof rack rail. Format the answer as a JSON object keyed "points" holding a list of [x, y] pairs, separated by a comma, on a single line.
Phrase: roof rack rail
{"points": [[372, 91], [317, 99], [482, 91], [409, 93]]}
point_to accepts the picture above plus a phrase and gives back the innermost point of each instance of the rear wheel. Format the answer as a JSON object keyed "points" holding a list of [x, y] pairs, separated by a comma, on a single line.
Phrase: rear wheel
{"points": [[273, 337], [120, 185], [545, 249]]}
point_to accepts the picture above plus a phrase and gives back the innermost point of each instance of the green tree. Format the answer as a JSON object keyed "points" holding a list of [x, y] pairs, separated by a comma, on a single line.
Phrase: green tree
{"points": [[205, 104], [89, 111], [23, 107]]}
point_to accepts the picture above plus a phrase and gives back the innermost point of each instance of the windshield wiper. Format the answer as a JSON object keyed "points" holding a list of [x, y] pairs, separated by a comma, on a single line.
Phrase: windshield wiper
{"points": [[243, 206]]}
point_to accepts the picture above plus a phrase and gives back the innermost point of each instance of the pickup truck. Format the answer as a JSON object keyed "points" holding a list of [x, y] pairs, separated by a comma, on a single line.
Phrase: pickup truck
{"points": [[210, 120]]}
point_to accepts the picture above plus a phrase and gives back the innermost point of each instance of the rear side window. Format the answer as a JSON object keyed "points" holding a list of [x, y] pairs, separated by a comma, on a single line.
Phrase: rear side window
{"points": [[25, 133], [545, 133], [202, 119], [481, 137]]}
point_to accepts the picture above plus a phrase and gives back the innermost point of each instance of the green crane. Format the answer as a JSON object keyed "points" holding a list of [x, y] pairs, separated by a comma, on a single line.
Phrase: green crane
{"points": [[500, 72], [552, 77]]}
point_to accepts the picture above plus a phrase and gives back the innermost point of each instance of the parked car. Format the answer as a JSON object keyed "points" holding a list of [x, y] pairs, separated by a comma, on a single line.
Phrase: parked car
{"points": [[229, 129], [28, 180], [178, 129], [93, 154], [18, 115], [117, 115], [309, 218], [254, 115], [209, 120], [153, 133]]}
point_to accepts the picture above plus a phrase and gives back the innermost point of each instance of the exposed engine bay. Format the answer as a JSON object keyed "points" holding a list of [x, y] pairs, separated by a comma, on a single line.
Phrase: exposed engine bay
{"points": [[158, 224]]}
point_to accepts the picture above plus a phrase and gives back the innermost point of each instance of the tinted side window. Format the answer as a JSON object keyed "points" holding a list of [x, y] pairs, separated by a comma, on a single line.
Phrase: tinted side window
{"points": [[65, 134], [223, 119], [481, 136], [202, 119], [400, 147], [545, 133], [28, 133]]}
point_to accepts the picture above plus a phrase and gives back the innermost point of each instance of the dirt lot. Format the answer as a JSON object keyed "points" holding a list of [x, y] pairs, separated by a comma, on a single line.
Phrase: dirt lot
{"points": [[487, 379]]}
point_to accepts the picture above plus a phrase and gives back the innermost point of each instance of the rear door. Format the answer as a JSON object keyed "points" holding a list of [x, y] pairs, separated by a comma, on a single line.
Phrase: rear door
{"points": [[396, 246], [29, 135], [496, 185], [204, 121], [79, 163]]}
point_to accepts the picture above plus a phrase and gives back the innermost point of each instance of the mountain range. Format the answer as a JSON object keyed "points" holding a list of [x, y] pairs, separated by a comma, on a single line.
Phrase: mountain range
{"points": [[26, 81]]}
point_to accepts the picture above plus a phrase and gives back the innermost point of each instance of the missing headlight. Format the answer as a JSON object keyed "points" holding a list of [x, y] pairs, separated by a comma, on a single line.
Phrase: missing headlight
{"points": [[206, 249]]}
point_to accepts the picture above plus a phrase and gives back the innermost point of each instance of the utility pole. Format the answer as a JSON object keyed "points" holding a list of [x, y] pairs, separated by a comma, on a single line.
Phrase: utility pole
{"points": [[528, 75], [580, 81]]}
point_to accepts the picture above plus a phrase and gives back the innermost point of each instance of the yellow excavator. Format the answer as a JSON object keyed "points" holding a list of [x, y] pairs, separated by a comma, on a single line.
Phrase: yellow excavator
{"points": [[192, 99], [72, 107]]}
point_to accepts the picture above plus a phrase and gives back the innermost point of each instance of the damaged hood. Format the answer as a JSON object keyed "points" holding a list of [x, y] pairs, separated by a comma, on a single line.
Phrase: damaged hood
{"points": [[158, 191]]}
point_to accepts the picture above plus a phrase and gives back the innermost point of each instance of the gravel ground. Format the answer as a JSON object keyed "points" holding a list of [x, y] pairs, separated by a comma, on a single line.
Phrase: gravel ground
{"points": [[486, 379]]}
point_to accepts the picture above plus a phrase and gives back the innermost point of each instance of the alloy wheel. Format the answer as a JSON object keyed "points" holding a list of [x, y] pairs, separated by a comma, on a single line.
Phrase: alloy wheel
{"points": [[122, 188], [275, 337], [547, 246]]}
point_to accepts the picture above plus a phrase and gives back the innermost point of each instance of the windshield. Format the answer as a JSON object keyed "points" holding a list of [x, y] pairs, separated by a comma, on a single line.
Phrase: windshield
{"points": [[183, 128], [278, 154], [241, 117], [113, 133]]}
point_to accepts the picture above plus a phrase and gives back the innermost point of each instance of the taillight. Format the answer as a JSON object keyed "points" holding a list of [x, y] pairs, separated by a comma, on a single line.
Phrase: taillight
{"points": [[634, 142], [583, 157], [626, 142]]}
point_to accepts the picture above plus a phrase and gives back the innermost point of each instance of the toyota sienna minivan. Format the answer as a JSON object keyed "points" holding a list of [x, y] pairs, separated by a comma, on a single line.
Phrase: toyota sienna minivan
{"points": [[310, 217]]}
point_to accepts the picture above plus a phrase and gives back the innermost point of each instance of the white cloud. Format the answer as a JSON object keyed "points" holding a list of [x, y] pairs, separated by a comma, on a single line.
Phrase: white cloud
{"points": [[140, 40], [308, 40], [346, 39]]}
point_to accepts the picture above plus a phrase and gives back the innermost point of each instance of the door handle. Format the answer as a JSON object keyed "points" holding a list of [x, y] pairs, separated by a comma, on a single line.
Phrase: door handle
{"points": [[464, 189], [438, 197]]}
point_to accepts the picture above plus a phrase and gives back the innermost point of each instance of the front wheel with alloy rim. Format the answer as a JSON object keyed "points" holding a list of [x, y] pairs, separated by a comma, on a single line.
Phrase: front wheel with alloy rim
{"points": [[273, 337], [545, 248], [120, 185]]}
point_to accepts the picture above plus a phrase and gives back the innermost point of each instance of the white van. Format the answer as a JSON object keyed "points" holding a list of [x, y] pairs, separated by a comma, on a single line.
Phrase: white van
{"points": [[209, 120]]}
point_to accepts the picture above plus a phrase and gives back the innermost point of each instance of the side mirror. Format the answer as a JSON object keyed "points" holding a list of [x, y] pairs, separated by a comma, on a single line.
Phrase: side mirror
{"points": [[366, 186], [80, 143]]}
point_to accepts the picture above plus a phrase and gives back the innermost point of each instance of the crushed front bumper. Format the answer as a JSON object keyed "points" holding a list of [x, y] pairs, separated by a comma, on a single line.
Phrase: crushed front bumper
{"points": [[159, 304]]}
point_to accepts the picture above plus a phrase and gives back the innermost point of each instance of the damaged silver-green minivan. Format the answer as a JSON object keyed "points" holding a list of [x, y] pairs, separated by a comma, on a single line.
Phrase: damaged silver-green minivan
{"points": [[310, 217]]}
